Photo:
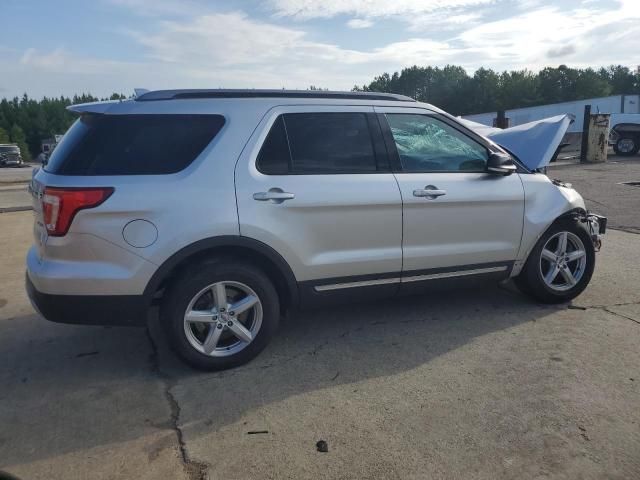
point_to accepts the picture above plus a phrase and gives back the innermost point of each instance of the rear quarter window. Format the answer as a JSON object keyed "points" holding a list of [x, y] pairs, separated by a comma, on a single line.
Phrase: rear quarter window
{"points": [[98, 144]]}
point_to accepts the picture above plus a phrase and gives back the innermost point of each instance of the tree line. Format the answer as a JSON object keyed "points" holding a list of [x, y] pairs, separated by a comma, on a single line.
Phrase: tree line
{"points": [[454, 90], [27, 121]]}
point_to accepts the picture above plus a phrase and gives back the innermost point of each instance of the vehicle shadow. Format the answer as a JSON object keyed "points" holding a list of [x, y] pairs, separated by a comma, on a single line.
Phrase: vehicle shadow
{"points": [[71, 389], [74, 390], [337, 346]]}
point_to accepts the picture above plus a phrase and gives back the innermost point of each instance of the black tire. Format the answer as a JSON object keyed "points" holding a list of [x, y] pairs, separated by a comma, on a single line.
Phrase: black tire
{"points": [[530, 280], [194, 280], [625, 152]]}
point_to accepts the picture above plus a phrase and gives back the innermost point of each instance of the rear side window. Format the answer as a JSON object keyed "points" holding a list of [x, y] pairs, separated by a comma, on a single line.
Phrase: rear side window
{"points": [[318, 143], [133, 144]]}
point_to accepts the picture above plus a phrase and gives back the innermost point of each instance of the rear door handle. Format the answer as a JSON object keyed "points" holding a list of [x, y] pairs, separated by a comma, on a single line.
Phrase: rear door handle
{"points": [[274, 195], [429, 192]]}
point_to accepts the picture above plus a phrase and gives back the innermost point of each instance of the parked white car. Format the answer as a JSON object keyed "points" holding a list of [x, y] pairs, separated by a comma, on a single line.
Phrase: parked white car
{"points": [[227, 207]]}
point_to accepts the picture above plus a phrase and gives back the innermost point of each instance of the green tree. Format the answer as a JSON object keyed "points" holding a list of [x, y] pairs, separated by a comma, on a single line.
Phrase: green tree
{"points": [[519, 89], [589, 84], [452, 89], [485, 91], [4, 136], [18, 137], [621, 79]]}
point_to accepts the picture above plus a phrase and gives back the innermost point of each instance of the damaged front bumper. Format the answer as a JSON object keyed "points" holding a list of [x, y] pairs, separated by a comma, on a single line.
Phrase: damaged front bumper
{"points": [[597, 225]]}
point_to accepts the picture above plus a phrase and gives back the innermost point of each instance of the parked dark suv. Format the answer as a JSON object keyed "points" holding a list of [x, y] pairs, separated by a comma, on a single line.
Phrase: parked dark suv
{"points": [[10, 155]]}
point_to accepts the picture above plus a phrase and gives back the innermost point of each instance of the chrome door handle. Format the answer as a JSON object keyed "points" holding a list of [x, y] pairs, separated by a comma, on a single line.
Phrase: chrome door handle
{"points": [[274, 195], [429, 192]]}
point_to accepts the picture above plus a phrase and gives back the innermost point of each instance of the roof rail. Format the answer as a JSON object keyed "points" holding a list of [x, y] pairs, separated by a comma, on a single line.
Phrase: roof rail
{"points": [[224, 93]]}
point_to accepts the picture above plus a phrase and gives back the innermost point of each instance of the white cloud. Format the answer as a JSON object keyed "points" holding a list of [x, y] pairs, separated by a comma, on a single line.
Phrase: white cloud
{"points": [[214, 43], [305, 9], [233, 49], [181, 8], [220, 39], [60, 60], [359, 23], [219, 50], [527, 39]]}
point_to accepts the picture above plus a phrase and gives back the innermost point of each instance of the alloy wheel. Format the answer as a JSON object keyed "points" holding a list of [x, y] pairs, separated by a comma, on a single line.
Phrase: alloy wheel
{"points": [[563, 261], [223, 318]]}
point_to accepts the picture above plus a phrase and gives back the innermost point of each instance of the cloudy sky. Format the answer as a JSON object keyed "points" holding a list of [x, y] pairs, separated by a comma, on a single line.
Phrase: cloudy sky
{"points": [[102, 46]]}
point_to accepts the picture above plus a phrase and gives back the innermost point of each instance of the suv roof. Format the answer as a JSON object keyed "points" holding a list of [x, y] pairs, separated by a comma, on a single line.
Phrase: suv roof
{"points": [[238, 93]]}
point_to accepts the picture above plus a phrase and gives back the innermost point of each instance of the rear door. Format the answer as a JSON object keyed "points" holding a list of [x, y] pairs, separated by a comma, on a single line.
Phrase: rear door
{"points": [[314, 184], [458, 220]]}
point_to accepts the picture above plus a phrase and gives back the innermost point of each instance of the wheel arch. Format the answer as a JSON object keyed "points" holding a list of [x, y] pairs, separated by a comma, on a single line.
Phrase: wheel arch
{"points": [[256, 252], [574, 213]]}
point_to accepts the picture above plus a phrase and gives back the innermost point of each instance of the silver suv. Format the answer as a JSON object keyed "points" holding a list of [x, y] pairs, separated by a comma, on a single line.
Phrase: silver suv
{"points": [[226, 208]]}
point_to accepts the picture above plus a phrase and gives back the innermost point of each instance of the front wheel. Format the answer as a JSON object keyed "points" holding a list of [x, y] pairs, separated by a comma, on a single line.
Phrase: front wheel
{"points": [[560, 265], [221, 314]]}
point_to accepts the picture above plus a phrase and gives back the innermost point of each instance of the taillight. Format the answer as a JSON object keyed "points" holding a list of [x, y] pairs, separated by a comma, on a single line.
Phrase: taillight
{"points": [[60, 205]]}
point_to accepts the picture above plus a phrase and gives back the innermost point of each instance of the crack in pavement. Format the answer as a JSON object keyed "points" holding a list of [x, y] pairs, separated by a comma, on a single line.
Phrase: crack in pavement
{"points": [[622, 228], [622, 304], [620, 315], [194, 469], [607, 308]]}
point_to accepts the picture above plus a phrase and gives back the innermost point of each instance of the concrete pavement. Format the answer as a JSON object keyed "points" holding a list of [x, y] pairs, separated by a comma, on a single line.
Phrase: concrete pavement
{"points": [[14, 198], [15, 175], [604, 191], [13, 189], [474, 384], [75, 403]]}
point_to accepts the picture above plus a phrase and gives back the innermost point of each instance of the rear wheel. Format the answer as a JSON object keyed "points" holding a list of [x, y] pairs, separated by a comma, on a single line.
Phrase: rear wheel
{"points": [[221, 315], [560, 266], [626, 146]]}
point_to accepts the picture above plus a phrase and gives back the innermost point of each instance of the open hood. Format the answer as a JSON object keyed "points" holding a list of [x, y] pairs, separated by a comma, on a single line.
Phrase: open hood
{"points": [[534, 143]]}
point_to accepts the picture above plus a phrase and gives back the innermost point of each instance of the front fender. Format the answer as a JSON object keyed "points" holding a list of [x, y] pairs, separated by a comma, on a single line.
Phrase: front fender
{"points": [[544, 203]]}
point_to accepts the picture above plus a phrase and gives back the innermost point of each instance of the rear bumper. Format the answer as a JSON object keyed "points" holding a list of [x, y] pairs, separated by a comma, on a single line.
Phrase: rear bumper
{"points": [[125, 310]]}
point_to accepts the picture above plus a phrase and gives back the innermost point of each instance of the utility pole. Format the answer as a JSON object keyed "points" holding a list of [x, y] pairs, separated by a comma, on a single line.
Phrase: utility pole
{"points": [[501, 121], [585, 133]]}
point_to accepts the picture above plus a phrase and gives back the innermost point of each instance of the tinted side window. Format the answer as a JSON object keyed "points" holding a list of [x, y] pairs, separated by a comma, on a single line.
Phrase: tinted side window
{"points": [[426, 144], [326, 143], [133, 144], [274, 157]]}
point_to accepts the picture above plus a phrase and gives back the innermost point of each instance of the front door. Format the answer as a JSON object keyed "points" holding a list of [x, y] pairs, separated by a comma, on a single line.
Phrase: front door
{"points": [[458, 220]]}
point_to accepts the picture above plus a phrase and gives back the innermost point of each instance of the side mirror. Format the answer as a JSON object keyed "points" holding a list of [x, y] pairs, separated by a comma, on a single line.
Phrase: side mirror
{"points": [[501, 164]]}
